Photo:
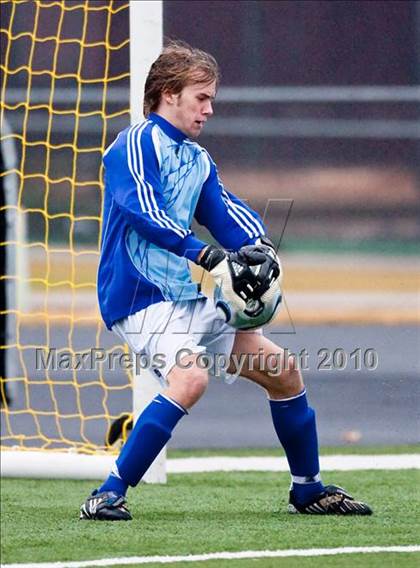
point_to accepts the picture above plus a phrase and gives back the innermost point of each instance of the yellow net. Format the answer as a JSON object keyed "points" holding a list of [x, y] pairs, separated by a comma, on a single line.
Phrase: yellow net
{"points": [[64, 96]]}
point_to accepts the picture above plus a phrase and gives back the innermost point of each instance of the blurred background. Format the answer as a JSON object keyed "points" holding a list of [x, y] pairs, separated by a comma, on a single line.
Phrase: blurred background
{"points": [[317, 125]]}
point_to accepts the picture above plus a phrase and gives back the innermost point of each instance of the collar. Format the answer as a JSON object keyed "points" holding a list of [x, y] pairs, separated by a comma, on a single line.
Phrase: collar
{"points": [[168, 128]]}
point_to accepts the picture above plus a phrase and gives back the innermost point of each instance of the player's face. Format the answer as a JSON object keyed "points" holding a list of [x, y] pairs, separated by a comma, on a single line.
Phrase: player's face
{"points": [[193, 107]]}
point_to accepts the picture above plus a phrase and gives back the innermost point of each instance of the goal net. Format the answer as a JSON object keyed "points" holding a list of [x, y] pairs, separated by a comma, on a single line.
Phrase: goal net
{"points": [[65, 94]]}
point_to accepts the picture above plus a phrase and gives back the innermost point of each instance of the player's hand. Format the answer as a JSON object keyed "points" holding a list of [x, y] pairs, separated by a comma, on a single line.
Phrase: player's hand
{"points": [[267, 267], [235, 272]]}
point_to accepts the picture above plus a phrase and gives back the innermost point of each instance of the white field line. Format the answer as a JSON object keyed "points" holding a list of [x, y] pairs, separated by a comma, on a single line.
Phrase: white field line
{"points": [[219, 556], [328, 463], [57, 465]]}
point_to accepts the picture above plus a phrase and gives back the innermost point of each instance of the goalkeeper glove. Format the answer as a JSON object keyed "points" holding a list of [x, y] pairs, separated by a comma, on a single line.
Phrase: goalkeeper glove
{"points": [[237, 273], [269, 270]]}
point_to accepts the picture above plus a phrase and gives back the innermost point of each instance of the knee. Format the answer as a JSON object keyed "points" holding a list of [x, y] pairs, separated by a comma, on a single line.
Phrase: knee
{"points": [[285, 379], [195, 383], [283, 367], [188, 385]]}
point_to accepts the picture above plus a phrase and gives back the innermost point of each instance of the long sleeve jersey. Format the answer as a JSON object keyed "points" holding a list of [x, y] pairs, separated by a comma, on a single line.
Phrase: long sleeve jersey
{"points": [[156, 181]]}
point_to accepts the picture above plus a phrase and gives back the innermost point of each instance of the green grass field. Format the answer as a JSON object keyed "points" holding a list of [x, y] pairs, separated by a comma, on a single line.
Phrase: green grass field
{"points": [[202, 513]]}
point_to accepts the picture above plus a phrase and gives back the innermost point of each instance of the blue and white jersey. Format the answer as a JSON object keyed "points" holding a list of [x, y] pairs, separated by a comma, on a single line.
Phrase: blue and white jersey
{"points": [[156, 181]]}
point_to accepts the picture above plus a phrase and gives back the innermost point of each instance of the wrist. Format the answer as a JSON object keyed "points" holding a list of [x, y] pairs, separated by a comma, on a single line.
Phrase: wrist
{"points": [[200, 255], [264, 240], [210, 257]]}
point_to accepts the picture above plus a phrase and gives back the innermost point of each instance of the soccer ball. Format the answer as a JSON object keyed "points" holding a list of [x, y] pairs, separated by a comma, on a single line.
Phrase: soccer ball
{"points": [[253, 314]]}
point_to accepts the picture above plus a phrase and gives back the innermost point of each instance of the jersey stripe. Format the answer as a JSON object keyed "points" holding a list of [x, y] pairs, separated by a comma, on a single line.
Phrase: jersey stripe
{"points": [[252, 220], [150, 195], [130, 165], [238, 213], [145, 192], [237, 220]]}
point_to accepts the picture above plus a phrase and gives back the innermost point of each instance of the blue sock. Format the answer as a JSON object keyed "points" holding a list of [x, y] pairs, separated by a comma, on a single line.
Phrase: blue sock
{"points": [[294, 422], [152, 431], [114, 483]]}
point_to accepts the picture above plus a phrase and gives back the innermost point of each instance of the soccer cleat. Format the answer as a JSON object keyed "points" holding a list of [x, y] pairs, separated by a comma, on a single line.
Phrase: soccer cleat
{"points": [[105, 506], [332, 500]]}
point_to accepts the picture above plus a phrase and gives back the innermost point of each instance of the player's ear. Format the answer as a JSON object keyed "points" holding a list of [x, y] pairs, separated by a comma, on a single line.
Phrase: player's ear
{"points": [[169, 98]]}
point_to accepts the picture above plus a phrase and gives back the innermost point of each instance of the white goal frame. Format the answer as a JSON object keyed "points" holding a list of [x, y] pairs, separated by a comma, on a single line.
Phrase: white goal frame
{"points": [[146, 39]]}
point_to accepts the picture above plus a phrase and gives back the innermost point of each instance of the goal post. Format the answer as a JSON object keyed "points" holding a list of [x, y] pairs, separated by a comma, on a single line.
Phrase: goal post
{"points": [[73, 75], [146, 40], [146, 29]]}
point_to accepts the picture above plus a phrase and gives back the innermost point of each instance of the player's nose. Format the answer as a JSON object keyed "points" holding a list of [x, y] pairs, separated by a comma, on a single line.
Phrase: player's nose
{"points": [[208, 109]]}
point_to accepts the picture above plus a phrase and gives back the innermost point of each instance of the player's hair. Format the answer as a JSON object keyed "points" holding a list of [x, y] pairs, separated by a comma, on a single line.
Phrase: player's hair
{"points": [[177, 66]]}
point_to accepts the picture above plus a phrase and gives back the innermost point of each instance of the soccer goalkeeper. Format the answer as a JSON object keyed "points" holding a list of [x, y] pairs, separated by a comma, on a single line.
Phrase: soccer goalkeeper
{"points": [[157, 178]]}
